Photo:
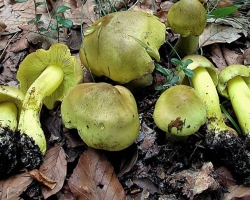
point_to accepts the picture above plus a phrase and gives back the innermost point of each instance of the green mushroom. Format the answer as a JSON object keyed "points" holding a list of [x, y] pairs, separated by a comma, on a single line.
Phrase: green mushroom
{"points": [[204, 82], [45, 78], [234, 84], [105, 116], [187, 18], [179, 111], [122, 46]]}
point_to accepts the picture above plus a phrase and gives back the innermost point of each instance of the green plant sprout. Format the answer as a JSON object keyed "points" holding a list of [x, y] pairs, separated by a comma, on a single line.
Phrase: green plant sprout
{"points": [[172, 76], [226, 12], [230, 118], [61, 22]]}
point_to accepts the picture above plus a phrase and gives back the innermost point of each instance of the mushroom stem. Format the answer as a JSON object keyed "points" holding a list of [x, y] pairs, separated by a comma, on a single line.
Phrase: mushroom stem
{"points": [[8, 115], [185, 45], [203, 84], [240, 98], [43, 86]]}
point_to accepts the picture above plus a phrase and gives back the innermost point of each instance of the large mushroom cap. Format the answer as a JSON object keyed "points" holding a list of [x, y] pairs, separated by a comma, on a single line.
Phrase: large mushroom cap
{"points": [[121, 45], [105, 116], [35, 63], [229, 73], [187, 17], [179, 111]]}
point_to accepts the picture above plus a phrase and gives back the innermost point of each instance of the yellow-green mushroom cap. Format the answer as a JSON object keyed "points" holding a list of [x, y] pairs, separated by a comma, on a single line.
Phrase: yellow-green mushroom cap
{"points": [[179, 111], [35, 63], [121, 45], [14, 96], [105, 116], [199, 61], [187, 17], [229, 73]]}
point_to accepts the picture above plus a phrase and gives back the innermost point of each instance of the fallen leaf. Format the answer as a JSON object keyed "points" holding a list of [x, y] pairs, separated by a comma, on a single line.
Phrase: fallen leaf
{"points": [[205, 179], [218, 57], [19, 14], [40, 177], [2, 26], [54, 167], [232, 57], [147, 184], [215, 33], [14, 186], [79, 14], [237, 192], [247, 56], [94, 178]]}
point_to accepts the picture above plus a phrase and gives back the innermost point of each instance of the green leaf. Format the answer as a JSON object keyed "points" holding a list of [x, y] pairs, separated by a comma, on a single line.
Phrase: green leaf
{"points": [[223, 12], [61, 9], [31, 22], [42, 29], [164, 71], [187, 62], [159, 87], [177, 61], [66, 23], [51, 36], [188, 72], [38, 17], [54, 27], [174, 80], [20, 1], [39, 4]]}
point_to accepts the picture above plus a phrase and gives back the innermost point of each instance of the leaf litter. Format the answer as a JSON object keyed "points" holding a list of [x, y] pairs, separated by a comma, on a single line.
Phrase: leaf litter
{"points": [[153, 167]]}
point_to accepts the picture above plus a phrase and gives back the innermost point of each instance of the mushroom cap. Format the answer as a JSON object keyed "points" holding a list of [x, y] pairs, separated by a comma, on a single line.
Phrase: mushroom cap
{"points": [[179, 111], [200, 61], [10, 94], [105, 116], [35, 63], [121, 45], [187, 17], [230, 72]]}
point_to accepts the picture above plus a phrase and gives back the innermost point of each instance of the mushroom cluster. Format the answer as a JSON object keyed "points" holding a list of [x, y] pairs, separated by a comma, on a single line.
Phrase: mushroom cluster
{"points": [[122, 45], [105, 116]]}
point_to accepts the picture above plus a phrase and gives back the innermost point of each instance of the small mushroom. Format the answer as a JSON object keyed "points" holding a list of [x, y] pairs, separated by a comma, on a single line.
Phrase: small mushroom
{"points": [[105, 116], [234, 84], [10, 107], [121, 45], [187, 18], [45, 77], [204, 82], [179, 111]]}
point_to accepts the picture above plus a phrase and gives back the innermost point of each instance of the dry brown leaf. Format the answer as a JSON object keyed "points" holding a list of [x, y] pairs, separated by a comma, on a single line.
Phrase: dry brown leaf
{"points": [[247, 56], [237, 192], [2, 26], [54, 167], [19, 14], [80, 14], [232, 57], [14, 186], [40, 177], [215, 33], [94, 178], [205, 180], [218, 57]]}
